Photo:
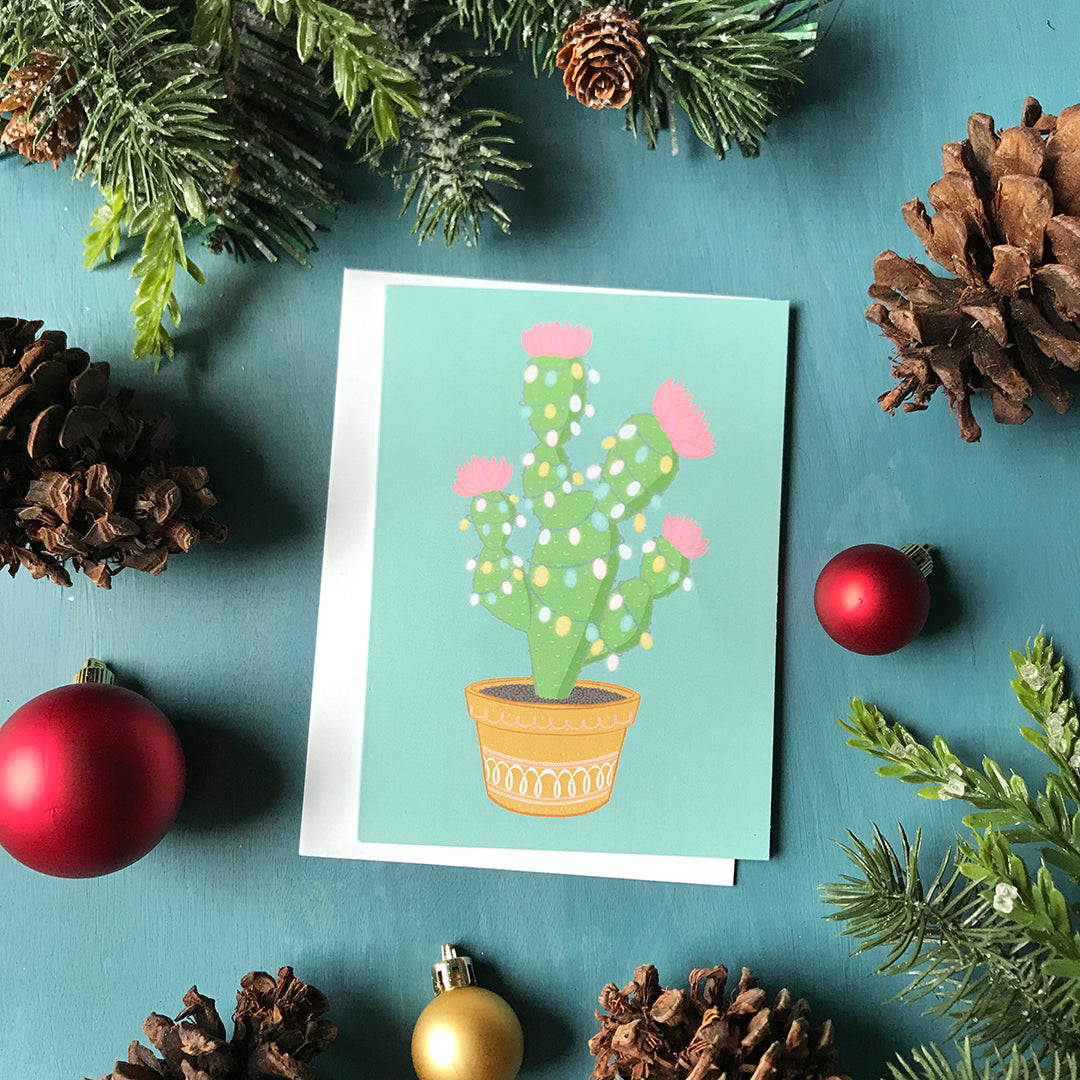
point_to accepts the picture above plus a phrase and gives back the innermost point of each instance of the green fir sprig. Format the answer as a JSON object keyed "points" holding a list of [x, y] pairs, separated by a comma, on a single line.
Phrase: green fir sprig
{"points": [[930, 1063], [989, 938], [222, 120], [728, 65], [451, 156]]}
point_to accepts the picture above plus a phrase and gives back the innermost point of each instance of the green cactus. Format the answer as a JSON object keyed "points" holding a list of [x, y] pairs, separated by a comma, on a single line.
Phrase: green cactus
{"points": [[568, 598]]}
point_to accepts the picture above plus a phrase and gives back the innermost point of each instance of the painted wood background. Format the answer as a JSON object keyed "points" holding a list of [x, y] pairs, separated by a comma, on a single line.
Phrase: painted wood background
{"points": [[223, 641]]}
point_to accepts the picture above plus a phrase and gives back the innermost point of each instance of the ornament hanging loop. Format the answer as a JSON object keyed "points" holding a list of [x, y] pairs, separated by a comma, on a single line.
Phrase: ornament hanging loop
{"points": [[95, 671], [920, 555], [452, 971]]}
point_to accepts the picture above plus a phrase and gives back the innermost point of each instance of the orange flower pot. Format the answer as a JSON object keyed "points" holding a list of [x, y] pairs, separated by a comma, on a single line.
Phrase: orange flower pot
{"points": [[550, 759]]}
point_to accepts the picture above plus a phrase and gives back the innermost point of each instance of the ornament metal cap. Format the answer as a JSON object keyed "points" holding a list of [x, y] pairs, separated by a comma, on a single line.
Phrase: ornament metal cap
{"points": [[452, 971], [94, 671], [919, 554]]}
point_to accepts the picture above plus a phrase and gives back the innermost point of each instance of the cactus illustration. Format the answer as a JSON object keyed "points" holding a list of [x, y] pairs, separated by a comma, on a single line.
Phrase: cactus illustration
{"points": [[568, 597]]}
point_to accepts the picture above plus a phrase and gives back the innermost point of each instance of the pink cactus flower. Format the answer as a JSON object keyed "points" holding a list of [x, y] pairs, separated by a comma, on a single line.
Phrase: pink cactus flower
{"points": [[684, 535], [480, 475], [556, 339], [681, 421]]}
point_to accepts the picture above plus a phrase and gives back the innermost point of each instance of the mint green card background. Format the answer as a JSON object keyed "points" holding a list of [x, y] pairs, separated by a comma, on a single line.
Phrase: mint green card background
{"points": [[451, 388]]}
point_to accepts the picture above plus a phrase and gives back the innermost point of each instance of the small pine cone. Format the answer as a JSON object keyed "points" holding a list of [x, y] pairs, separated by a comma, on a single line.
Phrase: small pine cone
{"points": [[276, 1033], [604, 57], [1007, 225], [21, 88], [674, 1035], [84, 476]]}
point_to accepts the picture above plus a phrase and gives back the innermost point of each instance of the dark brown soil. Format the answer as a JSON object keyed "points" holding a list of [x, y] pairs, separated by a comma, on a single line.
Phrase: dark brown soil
{"points": [[580, 695]]}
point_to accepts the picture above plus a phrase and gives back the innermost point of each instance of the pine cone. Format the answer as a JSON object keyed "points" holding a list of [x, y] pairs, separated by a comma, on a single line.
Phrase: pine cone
{"points": [[83, 473], [604, 56], [646, 1031], [1008, 226], [22, 87], [276, 1032]]}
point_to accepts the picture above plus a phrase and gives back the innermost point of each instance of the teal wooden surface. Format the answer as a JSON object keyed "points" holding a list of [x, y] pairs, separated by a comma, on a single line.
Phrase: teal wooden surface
{"points": [[223, 641]]}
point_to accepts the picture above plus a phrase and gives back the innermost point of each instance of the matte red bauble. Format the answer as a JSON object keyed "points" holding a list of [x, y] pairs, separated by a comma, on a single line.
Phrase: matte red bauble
{"points": [[91, 778], [874, 599]]}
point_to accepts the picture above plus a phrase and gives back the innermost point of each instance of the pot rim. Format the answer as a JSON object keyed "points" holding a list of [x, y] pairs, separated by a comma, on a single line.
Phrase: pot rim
{"points": [[478, 686]]}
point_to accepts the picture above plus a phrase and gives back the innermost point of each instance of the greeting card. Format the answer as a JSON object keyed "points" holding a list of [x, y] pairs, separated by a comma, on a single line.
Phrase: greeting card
{"points": [[548, 611]]}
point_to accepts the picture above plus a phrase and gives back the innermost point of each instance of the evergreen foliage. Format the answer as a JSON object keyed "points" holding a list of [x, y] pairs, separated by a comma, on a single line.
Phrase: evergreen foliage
{"points": [[217, 119], [991, 944]]}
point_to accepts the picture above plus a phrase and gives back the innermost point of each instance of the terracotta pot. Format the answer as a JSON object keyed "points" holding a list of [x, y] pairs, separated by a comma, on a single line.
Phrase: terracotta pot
{"points": [[549, 760]]}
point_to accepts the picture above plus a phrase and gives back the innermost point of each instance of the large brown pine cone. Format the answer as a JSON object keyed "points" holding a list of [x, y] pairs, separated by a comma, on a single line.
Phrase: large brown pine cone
{"points": [[604, 57], [83, 471], [276, 1032], [1008, 226], [18, 92], [646, 1031]]}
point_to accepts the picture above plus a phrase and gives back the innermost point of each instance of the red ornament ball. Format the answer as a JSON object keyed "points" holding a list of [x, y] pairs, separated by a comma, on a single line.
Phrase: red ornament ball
{"points": [[872, 599], [91, 778]]}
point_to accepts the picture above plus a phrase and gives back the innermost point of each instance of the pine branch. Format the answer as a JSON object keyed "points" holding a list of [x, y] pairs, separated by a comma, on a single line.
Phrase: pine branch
{"points": [[451, 157], [929, 1063], [355, 51], [728, 65], [998, 946], [955, 948], [285, 119]]}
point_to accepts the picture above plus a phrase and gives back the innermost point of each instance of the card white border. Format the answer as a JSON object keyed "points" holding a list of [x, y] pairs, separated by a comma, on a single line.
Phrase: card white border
{"points": [[328, 825]]}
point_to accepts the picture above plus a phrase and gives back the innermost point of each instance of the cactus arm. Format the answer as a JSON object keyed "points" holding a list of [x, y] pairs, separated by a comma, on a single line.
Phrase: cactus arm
{"points": [[498, 574], [640, 464], [628, 615]]}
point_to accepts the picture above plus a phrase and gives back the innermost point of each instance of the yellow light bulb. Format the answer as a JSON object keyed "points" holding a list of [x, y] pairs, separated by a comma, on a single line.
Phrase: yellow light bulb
{"points": [[465, 1032]]}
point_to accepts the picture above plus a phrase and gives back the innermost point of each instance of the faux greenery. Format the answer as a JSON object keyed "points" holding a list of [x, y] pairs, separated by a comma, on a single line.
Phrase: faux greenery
{"points": [[216, 119], [987, 937]]}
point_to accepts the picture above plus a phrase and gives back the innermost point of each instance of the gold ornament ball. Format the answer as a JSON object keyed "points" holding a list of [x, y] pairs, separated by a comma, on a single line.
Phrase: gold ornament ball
{"points": [[467, 1033]]}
